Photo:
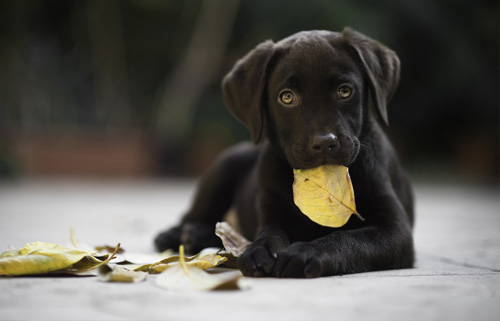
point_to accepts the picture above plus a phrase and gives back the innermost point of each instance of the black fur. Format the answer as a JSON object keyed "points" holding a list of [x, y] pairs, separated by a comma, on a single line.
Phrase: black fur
{"points": [[319, 127]]}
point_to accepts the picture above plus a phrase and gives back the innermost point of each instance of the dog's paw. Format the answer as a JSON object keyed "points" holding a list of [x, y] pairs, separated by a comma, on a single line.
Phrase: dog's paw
{"points": [[169, 239], [196, 236], [299, 260], [259, 258]]}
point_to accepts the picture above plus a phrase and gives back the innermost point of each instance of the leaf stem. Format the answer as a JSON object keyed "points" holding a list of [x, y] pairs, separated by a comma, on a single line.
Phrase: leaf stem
{"points": [[182, 261]]}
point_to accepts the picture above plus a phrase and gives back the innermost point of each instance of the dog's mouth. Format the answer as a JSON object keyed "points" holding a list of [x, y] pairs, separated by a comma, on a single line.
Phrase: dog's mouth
{"points": [[301, 159], [302, 162], [318, 164]]}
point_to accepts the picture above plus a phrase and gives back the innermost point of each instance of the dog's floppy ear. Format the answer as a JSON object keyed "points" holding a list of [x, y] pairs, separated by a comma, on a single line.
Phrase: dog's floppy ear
{"points": [[381, 65], [243, 88]]}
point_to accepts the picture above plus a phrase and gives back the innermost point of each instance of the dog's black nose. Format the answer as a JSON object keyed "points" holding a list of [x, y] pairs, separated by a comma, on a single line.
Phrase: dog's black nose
{"points": [[324, 143]]}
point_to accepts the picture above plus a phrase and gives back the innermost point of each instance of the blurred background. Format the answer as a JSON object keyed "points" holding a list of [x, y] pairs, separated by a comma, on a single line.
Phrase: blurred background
{"points": [[131, 88]]}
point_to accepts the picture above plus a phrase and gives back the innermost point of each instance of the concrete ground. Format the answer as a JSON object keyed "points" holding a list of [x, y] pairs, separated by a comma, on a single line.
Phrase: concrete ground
{"points": [[457, 276]]}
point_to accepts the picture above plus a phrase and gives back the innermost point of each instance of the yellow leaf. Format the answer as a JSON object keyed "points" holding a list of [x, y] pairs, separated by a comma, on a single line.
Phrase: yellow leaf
{"points": [[202, 262], [11, 251], [91, 262], [40, 257], [325, 194], [143, 268], [119, 274], [207, 261], [164, 264], [185, 277]]}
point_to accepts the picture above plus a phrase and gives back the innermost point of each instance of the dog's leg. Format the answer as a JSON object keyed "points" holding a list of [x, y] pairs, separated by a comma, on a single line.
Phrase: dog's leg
{"points": [[378, 247], [273, 205], [374, 247], [212, 200]]}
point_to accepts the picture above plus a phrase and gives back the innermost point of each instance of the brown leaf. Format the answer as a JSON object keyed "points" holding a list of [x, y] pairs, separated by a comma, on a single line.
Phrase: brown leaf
{"points": [[233, 242]]}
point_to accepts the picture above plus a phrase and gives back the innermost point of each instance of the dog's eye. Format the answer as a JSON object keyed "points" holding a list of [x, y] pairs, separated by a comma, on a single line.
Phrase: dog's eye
{"points": [[344, 92], [287, 97]]}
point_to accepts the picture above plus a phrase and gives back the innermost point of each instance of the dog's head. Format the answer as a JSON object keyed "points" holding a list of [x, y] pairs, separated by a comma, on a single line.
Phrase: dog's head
{"points": [[315, 90]]}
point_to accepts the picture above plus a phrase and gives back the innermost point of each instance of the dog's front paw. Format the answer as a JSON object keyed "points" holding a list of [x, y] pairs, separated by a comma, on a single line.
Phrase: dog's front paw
{"points": [[196, 236], [259, 258], [299, 260], [169, 239]]}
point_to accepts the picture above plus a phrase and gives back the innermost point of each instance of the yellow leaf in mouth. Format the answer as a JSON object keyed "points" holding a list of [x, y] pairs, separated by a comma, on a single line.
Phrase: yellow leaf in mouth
{"points": [[325, 194]]}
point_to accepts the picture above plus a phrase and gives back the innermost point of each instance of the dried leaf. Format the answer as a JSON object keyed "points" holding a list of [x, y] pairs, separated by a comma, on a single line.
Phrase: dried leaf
{"points": [[108, 249], [233, 242], [11, 251], [42, 257], [38, 258], [232, 261], [183, 277], [201, 261], [207, 261], [160, 266], [107, 273], [325, 194], [92, 262]]}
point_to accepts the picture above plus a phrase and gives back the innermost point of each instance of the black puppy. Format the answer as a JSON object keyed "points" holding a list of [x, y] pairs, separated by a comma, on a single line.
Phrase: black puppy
{"points": [[315, 96]]}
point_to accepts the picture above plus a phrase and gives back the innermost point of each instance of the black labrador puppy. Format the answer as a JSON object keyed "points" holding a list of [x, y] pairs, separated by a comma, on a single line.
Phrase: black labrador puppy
{"points": [[315, 96]]}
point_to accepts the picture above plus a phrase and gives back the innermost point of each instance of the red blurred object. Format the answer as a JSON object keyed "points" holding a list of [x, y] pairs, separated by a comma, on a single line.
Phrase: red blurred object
{"points": [[84, 154]]}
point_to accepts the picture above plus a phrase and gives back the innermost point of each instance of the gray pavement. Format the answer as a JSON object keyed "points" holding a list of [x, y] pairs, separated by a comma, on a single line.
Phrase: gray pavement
{"points": [[457, 276]]}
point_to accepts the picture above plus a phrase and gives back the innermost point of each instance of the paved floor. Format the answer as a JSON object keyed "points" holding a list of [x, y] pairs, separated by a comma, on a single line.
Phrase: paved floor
{"points": [[457, 275]]}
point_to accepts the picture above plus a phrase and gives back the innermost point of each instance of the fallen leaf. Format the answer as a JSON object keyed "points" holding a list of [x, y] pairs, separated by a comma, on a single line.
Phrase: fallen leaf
{"points": [[201, 261], [38, 258], [107, 273], [232, 261], [207, 261], [108, 249], [11, 251], [183, 277], [233, 242], [160, 266], [325, 194], [91, 262], [42, 257]]}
